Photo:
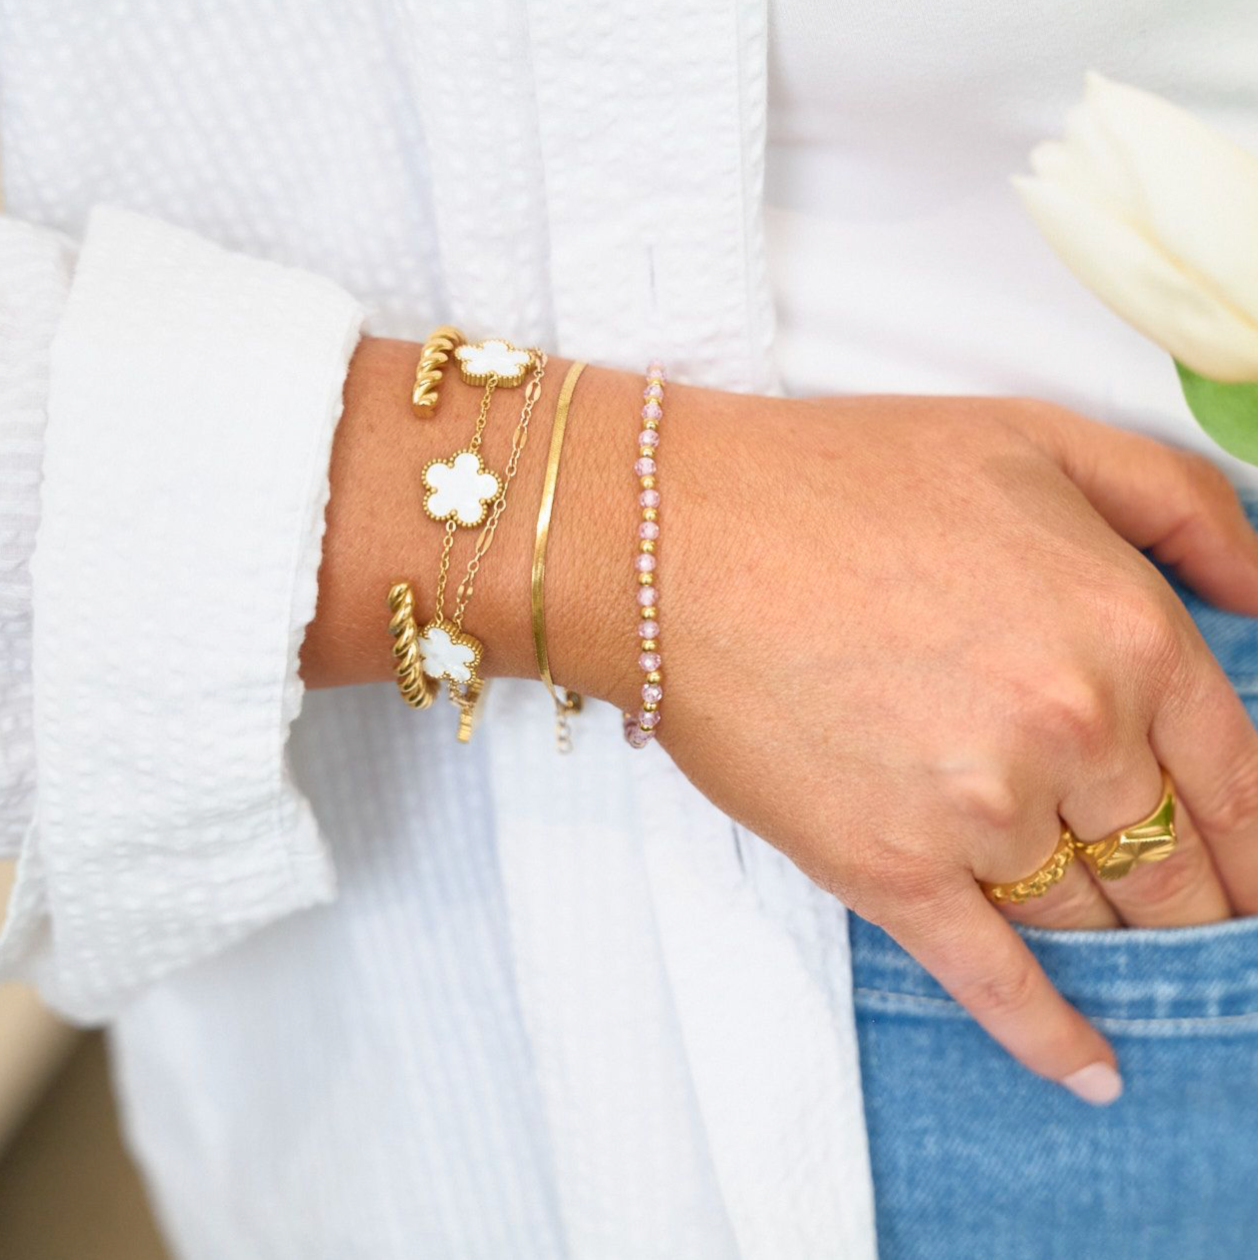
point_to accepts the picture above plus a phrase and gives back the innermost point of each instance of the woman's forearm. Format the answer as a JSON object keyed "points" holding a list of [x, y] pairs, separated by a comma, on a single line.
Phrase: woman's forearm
{"points": [[377, 532]]}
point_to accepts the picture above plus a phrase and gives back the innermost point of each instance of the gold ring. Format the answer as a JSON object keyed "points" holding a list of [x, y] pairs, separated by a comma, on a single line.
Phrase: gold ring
{"points": [[1152, 839], [1038, 883]]}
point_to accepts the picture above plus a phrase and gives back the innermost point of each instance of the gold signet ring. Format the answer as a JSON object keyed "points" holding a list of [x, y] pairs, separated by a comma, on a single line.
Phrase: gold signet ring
{"points": [[1152, 839]]}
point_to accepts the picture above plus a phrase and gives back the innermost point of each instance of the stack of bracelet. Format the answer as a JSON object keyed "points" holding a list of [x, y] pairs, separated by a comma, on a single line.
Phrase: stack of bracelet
{"points": [[640, 727]]}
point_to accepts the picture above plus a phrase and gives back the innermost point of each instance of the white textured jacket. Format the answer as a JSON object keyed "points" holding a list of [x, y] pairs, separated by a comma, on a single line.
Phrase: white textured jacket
{"points": [[560, 1006]]}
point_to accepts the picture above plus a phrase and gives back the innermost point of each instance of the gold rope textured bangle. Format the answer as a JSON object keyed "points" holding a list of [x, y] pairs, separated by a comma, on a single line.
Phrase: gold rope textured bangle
{"points": [[568, 702], [435, 353], [417, 689]]}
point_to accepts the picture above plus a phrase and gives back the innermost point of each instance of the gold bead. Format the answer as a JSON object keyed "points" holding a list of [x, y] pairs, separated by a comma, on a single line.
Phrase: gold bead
{"points": [[649, 645], [650, 424], [655, 676], [647, 482], [646, 579], [647, 545], [649, 707], [650, 514], [646, 452], [649, 614]]}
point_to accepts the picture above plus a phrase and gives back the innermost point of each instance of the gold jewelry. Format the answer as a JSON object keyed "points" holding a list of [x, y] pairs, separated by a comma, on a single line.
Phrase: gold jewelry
{"points": [[569, 702], [1038, 882], [418, 690], [435, 353], [448, 651], [1152, 839]]}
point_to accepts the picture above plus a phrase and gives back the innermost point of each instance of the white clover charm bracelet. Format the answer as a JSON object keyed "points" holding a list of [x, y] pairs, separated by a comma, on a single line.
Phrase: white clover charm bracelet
{"points": [[461, 493]]}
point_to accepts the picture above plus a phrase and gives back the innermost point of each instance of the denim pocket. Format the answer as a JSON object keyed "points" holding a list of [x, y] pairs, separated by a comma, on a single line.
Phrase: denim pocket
{"points": [[974, 1156]]}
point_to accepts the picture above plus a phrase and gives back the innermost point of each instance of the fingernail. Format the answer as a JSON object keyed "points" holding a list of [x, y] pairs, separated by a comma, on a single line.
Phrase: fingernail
{"points": [[1098, 1084]]}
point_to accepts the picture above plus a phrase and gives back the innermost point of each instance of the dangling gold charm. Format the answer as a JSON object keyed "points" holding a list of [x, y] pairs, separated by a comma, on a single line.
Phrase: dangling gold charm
{"points": [[468, 699], [449, 653]]}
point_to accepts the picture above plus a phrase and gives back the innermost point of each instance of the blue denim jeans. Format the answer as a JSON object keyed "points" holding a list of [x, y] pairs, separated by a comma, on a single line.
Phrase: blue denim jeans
{"points": [[973, 1157]]}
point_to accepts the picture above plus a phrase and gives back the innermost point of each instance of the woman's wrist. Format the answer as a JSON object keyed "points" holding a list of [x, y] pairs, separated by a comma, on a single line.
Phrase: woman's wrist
{"points": [[378, 533]]}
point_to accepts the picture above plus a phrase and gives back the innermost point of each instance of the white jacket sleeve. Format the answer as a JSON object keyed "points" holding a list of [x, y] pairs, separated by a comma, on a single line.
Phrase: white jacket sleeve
{"points": [[35, 269], [192, 398]]}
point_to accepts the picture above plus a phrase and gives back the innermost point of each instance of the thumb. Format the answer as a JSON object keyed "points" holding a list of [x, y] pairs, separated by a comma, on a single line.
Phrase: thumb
{"points": [[1176, 504]]}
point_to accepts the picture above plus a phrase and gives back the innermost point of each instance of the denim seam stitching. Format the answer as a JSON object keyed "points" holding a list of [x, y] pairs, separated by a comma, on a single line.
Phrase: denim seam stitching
{"points": [[1150, 1021]]}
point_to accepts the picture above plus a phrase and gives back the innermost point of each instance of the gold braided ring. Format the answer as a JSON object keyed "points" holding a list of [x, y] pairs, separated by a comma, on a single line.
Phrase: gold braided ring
{"points": [[435, 354], [418, 690], [1038, 883], [1152, 839]]}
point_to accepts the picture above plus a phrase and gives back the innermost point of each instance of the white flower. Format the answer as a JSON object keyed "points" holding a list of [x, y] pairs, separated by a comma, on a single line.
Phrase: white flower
{"points": [[480, 361], [459, 488], [1158, 214], [446, 654]]}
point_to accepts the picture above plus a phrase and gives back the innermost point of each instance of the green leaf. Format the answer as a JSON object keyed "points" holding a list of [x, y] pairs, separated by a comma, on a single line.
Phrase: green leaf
{"points": [[1228, 413]]}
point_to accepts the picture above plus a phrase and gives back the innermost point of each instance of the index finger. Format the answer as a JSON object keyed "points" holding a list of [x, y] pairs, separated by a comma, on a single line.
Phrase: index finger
{"points": [[969, 947]]}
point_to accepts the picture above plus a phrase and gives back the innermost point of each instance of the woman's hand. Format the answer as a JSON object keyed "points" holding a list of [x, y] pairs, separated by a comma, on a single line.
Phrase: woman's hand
{"points": [[906, 635], [903, 638]]}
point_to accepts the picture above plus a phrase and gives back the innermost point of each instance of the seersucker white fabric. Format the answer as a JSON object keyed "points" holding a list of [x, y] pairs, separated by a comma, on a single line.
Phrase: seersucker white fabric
{"points": [[35, 269], [559, 1007]]}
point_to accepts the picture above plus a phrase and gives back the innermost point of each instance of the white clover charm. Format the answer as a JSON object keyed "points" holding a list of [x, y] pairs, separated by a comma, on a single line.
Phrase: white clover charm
{"points": [[483, 359], [459, 489], [449, 653]]}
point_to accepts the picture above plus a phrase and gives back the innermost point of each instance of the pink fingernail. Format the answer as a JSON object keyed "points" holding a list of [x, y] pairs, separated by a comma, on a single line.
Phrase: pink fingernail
{"points": [[1098, 1084]]}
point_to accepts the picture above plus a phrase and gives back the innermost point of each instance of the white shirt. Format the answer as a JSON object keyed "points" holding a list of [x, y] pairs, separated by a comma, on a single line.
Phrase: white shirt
{"points": [[559, 1007]]}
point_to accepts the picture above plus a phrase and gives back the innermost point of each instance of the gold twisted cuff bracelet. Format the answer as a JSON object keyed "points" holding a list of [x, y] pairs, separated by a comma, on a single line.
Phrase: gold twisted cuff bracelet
{"points": [[418, 690], [566, 702], [434, 355]]}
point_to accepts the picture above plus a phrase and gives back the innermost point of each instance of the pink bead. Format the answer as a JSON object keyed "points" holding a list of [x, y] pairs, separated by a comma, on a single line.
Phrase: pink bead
{"points": [[649, 720], [656, 368], [637, 737], [645, 564], [653, 390], [648, 629], [649, 498], [648, 661], [648, 595], [652, 693], [648, 437], [652, 411], [649, 530], [645, 466]]}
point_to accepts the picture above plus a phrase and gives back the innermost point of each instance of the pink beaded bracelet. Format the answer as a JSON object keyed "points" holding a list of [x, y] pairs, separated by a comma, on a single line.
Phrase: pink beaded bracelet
{"points": [[640, 727]]}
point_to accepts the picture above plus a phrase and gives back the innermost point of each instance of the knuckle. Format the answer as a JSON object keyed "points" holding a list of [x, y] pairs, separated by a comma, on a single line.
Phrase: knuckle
{"points": [[1075, 712], [984, 796], [1166, 884], [1208, 482], [1232, 808], [1004, 992], [1151, 629]]}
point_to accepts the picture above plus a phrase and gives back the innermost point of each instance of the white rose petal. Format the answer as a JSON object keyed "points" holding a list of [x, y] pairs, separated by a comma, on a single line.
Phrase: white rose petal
{"points": [[1158, 214]]}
